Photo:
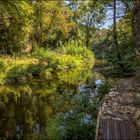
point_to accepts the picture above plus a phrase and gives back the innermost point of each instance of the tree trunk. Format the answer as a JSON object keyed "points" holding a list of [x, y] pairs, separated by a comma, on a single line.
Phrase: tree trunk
{"points": [[115, 38], [136, 27], [114, 26]]}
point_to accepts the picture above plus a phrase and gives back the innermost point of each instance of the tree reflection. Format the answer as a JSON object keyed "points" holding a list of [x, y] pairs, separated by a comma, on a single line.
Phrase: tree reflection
{"points": [[54, 110]]}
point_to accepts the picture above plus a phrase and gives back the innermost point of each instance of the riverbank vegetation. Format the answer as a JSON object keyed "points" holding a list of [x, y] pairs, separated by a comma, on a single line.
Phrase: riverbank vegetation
{"points": [[27, 26], [35, 39], [58, 60], [69, 63]]}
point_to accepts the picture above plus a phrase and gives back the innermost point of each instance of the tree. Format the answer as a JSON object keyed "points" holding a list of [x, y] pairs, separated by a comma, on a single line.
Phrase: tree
{"points": [[16, 24], [115, 37], [22, 23], [133, 10], [87, 15], [52, 22], [136, 26]]}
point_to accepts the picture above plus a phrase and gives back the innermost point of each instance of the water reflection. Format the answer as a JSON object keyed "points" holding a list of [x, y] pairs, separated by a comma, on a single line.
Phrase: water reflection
{"points": [[40, 111]]}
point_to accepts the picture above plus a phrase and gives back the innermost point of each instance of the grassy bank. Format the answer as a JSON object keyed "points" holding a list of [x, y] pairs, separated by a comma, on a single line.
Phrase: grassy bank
{"points": [[70, 64]]}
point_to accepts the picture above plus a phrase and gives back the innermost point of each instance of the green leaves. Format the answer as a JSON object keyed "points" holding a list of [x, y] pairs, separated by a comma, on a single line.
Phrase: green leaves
{"points": [[17, 24]]}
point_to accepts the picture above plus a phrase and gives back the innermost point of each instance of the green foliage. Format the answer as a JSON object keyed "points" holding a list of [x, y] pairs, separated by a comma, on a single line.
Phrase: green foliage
{"points": [[2, 65], [104, 89], [23, 23], [65, 115], [47, 58], [87, 16], [35, 71], [71, 69], [52, 22], [76, 123], [55, 131], [25, 72], [16, 72], [16, 25], [69, 65], [126, 71], [75, 48], [120, 59], [76, 62], [136, 64], [123, 67]]}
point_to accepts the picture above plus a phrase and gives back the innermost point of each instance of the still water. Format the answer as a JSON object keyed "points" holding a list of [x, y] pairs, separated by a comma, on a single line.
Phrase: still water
{"points": [[48, 110]]}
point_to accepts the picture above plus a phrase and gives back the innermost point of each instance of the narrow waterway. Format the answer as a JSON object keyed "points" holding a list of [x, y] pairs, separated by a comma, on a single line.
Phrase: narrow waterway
{"points": [[52, 110]]}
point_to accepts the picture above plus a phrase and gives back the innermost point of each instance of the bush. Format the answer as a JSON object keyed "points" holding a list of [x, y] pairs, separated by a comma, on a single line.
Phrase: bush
{"points": [[2, 65], [23, 72], [70, 64], [121, 60], [35, 70], [103, 89], [71, 69], [16, 72], [46, 58], [75, 49]]}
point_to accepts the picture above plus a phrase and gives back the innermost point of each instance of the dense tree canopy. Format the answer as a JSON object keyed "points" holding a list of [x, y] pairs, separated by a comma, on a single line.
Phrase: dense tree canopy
{"points": [[47, 23], [27, 25]]}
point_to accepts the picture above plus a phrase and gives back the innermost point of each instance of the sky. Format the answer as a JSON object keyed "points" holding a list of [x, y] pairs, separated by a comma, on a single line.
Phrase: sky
{"points": [[109, 15], [107, 24], [109, 20]]}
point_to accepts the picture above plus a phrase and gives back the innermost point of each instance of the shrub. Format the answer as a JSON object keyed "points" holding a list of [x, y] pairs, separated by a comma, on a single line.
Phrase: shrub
{"points": [[2, 65], [71, 69], [70, 64], [122, 65], [46, 58], [35, 70], [16, 72], [103, 89], [75, 49]]}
